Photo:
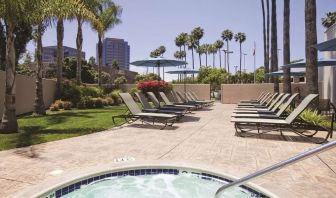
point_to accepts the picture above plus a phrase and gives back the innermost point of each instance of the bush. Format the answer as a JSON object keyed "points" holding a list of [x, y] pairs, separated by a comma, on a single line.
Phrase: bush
{"points": [[89, 102], [98, 102], [120, 80], [70, 92], [132, 92], [91, 91], [59, 103], [67, 105], [153, 86], [81, 104], [109, 101], [54, 107], [115, 96]]}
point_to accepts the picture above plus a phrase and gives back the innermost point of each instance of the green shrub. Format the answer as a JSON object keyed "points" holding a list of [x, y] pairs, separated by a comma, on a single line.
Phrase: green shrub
{"points": [[98, 102], [81, 104], [67, 105], [132, 92], [115, 96], [91, 91], [70, 92], [89, 102]]}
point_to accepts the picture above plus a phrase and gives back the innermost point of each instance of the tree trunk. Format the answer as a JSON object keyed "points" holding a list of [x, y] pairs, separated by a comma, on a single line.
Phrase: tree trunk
{"points": [[185, 57], [9, 123], [220, 59], [59, 54], [39, 107], [213, 60], [274, 46], [267, 69], [100, 61], [206, 59], [240, 62], [79, 45], [311, 52], [286, 48], [193, 63], [200, 58], [264, 38], [228, 54]]}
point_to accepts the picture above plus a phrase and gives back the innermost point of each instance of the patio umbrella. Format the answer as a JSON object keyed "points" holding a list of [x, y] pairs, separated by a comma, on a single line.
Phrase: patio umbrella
{"points": [[329, 45], [184, 71], [320, 63], [293, 72], [158, 62]]}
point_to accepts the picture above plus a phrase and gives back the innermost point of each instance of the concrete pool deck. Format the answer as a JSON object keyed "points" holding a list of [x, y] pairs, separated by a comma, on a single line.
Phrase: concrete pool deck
{"points": [[205, 138]]}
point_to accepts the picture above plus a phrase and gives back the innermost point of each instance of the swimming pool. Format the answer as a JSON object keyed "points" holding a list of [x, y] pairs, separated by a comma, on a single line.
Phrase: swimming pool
{"points": [[151, 181]]}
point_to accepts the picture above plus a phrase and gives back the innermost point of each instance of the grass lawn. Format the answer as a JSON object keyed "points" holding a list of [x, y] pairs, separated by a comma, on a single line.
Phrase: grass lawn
{"points": [[60, 125]]}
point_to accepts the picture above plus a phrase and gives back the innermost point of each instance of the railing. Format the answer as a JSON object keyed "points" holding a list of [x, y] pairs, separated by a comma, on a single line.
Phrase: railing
{"points": [[277, 166]]}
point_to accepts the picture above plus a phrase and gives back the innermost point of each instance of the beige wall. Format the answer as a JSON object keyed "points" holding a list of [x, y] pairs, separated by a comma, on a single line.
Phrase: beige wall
{"points": [[233, 93], [25, 92], [202, 90], [127, 87]]}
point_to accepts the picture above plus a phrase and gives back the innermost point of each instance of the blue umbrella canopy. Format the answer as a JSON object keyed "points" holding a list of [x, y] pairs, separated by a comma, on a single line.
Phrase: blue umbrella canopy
{"points": [[329, 45], [293, 72], [158, 62], [320, 63], [183, 71]]}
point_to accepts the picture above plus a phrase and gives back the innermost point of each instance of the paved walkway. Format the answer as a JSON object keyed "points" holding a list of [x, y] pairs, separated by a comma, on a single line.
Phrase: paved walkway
{"points": [[206, 137]]}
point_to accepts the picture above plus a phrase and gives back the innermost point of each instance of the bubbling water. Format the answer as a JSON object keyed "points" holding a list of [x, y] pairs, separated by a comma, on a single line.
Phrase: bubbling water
{"points": [[156, 186]]}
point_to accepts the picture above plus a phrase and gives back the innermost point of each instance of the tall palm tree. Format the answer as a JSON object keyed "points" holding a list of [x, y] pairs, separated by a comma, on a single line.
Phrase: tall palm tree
{"points": [[108, 15], [200, 50], [179, 44], [184, 39], [311, 52], [218, 45], [197, 33], [329, 20], [266, 59], [206, 51], [274, 46], [192, 44], [59, 56], [212, 50], [161, 50], [227, 36], [286, 48], [91, 5], [240, 37], [267, 79]]}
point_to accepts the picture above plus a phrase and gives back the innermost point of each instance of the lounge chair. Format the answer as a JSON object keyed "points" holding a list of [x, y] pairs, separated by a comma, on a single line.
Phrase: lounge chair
{"points": [[135, 113], [195, 96], [292, 123], [263, 102], [259, 101], [281, 103], [169, 103], [190, 97], [148, 108], [156, 103], [188, 101], [256, 100], [269, 104]]}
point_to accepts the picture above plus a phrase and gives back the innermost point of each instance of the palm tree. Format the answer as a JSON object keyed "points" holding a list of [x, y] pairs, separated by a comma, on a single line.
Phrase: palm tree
{"points": [[192, 45], [240, 37], [184, 39], [212, 50], [329, 20], [59, 55], [218, 45], [179, 43], [286, 48], [200, 50], [311, 52], [227, 36], [161, 50], [267, 79], [274, 46], [197, 33], [92, 5], [108, 15], [206, 51], [266, 59]]}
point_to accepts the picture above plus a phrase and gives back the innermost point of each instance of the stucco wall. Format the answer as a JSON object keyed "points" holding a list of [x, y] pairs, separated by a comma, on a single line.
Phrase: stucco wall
{"points": [[202, 90], [233, 93], [25, 92]]}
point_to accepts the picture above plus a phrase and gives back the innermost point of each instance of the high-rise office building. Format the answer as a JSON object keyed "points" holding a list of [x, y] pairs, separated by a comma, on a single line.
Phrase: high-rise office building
{"points": [[49, 53], [115, 49]]}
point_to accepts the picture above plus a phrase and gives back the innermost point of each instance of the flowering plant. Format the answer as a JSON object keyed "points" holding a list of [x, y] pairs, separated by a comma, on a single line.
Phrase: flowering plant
{"points": [[153, 86]]}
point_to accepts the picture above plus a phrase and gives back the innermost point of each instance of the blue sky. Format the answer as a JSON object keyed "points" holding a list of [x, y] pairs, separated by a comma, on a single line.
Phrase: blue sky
{"points": [[147, 24]]}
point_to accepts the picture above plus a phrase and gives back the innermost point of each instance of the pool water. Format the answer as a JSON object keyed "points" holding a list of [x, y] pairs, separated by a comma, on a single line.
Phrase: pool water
{"points": [[183, 185]]}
